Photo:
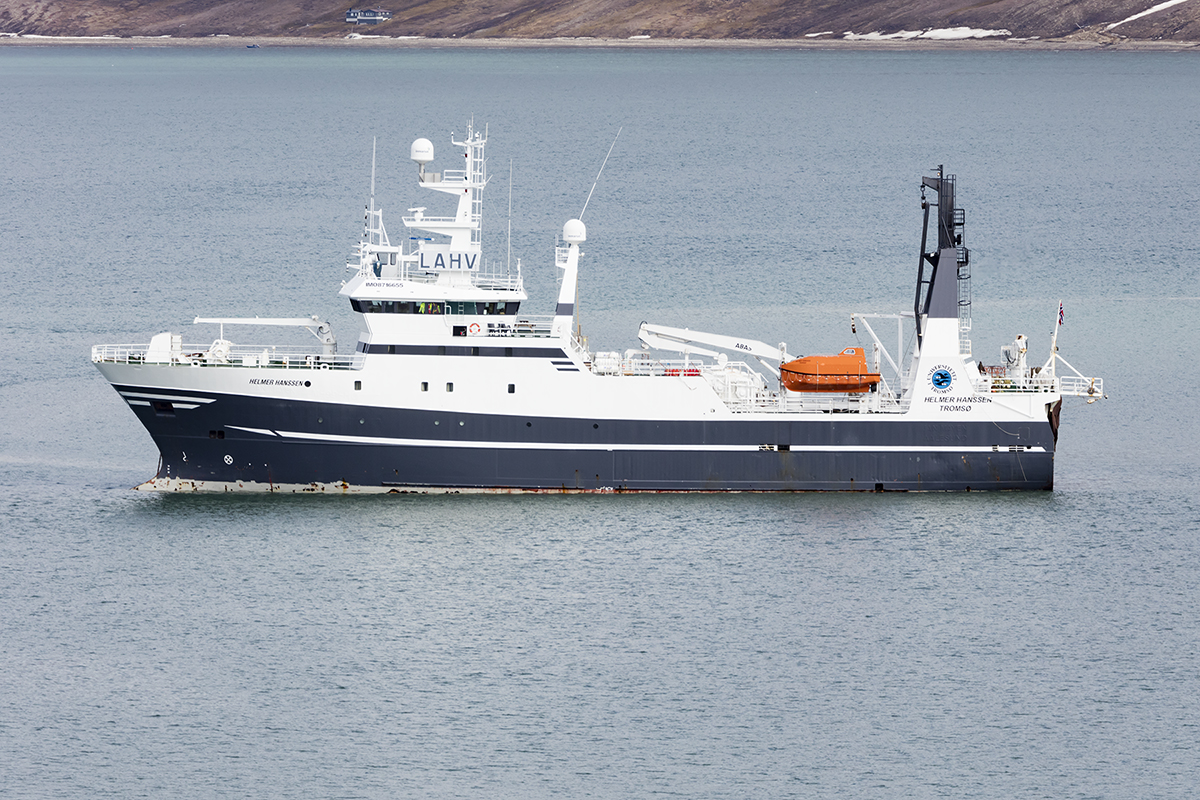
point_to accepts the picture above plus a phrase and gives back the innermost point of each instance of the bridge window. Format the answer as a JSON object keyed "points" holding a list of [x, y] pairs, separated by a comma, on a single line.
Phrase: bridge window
{"points": [[458, 308], [498, 309]]}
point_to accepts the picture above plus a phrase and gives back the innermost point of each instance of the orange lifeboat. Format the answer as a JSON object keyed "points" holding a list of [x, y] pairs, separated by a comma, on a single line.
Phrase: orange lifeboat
{"points": [[846, 373]]}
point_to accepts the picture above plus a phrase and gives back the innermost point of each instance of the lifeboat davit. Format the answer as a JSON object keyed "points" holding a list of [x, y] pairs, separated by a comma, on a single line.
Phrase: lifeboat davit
{"points": [[845, 373]]}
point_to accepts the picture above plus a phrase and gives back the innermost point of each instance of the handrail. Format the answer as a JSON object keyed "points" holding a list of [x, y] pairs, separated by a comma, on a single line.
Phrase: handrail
{"points": [[520, 327], [204, 355], [488, 277]]}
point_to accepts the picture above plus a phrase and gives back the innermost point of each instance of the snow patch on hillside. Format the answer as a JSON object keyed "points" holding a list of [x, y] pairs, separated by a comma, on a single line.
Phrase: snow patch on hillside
{"points": [[930, 33]]}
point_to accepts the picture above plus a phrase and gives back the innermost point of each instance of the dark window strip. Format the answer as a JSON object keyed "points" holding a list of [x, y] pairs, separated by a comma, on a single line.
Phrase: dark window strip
{"points": [[456, 308], [446, 350]]}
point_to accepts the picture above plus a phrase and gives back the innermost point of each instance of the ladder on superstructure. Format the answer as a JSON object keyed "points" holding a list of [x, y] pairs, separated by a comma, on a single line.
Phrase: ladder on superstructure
{"points": [[476, 176]]}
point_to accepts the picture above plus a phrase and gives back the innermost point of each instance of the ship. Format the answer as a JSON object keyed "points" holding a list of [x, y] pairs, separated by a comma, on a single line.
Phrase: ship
{"points": [[452, 387]]}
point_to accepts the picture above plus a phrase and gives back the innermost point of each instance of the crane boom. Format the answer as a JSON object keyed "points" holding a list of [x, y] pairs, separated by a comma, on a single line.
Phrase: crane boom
{"points": [[315, 325], [683, 340]]}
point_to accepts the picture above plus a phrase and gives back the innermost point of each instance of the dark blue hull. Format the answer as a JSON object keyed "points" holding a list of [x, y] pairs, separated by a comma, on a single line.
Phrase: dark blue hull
{"points": [[239, 440]]}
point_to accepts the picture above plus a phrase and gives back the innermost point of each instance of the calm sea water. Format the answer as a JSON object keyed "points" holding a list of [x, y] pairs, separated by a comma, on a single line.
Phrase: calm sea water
{"points": [[1041, 645]]}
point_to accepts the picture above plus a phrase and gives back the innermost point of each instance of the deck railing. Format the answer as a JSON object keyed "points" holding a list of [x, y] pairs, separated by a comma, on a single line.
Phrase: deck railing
{"points": [[743, 390], [488, 278], [1082, 387], [520, 326], [203, 355]]}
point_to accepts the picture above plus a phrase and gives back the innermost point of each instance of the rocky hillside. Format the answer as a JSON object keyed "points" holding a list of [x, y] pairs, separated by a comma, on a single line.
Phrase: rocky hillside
{"points": [[1103, 20]]}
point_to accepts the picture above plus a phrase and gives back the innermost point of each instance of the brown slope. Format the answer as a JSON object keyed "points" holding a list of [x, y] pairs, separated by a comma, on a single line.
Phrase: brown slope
{"points": [[684, 19]]}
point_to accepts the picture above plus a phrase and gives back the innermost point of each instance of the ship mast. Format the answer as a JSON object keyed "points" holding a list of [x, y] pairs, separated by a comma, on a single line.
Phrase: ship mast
{"points": [[947, 290]]}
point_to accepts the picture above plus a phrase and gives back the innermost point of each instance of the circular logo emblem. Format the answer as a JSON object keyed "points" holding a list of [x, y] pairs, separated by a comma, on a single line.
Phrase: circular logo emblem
{"points": [[941, 378], [228, 459]]}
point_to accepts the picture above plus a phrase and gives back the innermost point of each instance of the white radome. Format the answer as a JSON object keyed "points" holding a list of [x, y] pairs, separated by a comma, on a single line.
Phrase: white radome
{"points": [[574, 232], [422, 151]]}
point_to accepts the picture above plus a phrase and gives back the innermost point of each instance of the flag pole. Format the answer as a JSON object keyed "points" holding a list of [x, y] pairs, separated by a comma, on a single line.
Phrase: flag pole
{"points": [[1054, 339]]}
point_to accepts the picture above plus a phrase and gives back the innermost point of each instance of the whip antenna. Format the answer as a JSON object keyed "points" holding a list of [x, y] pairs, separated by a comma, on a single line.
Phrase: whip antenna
{"points": [[508, 261], [601, 172]]}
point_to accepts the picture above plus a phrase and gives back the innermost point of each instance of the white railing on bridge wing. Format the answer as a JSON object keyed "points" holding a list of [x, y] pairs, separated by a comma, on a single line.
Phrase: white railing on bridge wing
{"points": [[484, 279], [498, 280], [203, 355]]}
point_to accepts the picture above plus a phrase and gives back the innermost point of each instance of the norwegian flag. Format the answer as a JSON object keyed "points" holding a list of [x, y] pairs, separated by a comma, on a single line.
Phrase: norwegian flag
{"points": [[1060, 312]]}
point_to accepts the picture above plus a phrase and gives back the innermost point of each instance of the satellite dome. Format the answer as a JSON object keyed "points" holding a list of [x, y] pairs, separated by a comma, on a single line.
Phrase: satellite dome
{"points": [[574, 232], [422, 151]]}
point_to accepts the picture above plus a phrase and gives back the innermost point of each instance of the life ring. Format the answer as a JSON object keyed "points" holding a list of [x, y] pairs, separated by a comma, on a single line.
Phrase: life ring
{"points": [[474, 328]]}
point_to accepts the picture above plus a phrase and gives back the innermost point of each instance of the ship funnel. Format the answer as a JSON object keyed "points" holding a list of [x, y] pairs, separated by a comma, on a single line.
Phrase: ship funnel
{"points": [[574, 232]]}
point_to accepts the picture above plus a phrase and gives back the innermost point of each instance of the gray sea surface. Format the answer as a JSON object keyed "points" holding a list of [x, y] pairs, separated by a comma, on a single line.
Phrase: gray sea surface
{"points": [[1041, 645]]}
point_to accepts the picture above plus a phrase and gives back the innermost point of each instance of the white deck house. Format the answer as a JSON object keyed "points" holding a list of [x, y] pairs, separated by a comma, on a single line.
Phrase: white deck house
{"points": [[367, 16]]}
